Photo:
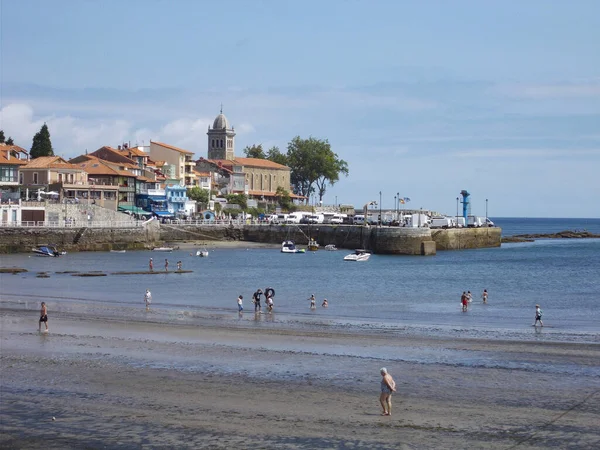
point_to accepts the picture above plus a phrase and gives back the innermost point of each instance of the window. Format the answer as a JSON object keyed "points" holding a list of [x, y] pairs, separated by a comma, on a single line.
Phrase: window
{"points": [[21, 178], [60, 177], [35, 178], [221, 143], [213, 143]]}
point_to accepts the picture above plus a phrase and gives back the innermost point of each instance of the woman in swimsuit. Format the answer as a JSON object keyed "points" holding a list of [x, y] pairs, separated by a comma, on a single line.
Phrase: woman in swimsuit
{"points": [[387, 387]]}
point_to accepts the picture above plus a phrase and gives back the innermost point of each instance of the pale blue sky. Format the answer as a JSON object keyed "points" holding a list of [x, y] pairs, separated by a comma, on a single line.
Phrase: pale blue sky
{"points": [[424, 98]]}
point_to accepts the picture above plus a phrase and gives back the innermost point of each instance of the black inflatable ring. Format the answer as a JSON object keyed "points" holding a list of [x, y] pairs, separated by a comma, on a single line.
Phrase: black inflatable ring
{"points": [[269, 292]]}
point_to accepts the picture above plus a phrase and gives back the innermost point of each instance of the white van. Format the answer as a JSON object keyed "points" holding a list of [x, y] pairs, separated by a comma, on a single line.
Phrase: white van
{"points": [[358, 219], [338, 218], [316, 218], [281, 218], [296, 217]]}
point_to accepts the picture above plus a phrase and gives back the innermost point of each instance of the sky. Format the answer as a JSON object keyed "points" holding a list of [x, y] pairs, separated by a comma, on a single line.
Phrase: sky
{"points": [[422, 99]]}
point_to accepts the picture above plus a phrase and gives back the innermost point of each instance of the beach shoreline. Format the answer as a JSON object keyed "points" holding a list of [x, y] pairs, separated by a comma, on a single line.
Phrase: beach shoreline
{"points": [[125, 384]]}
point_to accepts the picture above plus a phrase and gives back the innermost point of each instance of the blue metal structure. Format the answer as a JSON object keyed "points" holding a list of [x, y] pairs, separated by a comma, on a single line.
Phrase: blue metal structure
{"points": [[466, 205]]}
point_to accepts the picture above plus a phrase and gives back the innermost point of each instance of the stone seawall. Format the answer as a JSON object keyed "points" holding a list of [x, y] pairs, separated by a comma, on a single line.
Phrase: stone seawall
{"points": [[385, 240], [464, 238]]}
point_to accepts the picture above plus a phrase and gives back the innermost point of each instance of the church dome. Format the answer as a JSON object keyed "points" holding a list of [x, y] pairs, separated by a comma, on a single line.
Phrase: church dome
{"points": [[220, 122]]}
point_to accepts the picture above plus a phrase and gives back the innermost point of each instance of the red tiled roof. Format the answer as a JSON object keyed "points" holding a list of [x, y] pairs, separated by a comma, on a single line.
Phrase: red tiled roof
{"points": [[257, 162], [172, 147], [49, 162]]}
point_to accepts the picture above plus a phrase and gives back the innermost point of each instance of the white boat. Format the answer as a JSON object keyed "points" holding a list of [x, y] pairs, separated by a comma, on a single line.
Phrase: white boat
{"points": [[313, 245], [118, 251], [290, 247], [330, 247], [358, 255], [202, 253], [162, 249]]}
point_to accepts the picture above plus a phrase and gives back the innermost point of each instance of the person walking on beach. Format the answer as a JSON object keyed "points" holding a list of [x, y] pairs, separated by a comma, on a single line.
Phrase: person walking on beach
{"points": [[148, 299], [387, 387], [538, 316], [484, 296], [269, 294], [464, 301], [43, 317], [256, 300], [313, 302], [166, 265], [240, 303], [151, 265]]}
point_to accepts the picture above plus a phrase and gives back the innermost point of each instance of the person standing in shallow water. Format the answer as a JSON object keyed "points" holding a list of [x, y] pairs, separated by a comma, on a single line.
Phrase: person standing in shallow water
{"points": [[151, 265], [538, 316], [148, 299], [484, 296], [464, 301], [388, 386], [43, 317], [166, 265]]}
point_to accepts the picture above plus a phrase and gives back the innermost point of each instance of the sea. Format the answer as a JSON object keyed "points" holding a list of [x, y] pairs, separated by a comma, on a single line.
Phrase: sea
{"points": [[405, 294]]}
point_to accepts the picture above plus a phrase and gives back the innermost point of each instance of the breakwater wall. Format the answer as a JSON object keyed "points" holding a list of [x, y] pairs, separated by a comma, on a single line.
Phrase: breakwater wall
{"points": [[384, 240]]}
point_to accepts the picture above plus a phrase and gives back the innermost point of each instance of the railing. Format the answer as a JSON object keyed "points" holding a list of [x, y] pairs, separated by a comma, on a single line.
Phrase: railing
{"points": [[73, 224]]}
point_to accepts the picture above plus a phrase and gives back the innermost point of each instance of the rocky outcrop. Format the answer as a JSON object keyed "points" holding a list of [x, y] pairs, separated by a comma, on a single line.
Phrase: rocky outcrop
{"points": [[566, 234]]}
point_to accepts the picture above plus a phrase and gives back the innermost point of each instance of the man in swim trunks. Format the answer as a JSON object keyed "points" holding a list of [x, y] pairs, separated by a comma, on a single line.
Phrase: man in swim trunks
{"points": [[387, 387], [538, 316], [43, 317], [464, 301]]}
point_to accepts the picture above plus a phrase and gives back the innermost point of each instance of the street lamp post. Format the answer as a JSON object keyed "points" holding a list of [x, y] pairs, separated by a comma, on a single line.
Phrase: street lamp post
{"points": [[457, 211], [395, 207]]}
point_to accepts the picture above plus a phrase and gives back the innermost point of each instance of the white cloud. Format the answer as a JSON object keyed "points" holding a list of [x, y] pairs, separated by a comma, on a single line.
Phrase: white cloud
{"points": [[72, 136]]}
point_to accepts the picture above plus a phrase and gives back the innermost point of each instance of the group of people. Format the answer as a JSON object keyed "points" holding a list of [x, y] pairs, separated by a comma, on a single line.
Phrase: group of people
{"points": [[151, 265], [467, 298], [269, 294], [313, 302]]}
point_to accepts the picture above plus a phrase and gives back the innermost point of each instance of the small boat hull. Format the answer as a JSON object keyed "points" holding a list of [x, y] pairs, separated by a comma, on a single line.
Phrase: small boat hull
{"points": [[162, 249], [358, 255]]}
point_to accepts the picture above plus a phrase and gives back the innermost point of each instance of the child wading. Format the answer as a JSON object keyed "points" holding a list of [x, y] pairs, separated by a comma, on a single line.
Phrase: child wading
{"points": [[240, 303], [538, 316]]}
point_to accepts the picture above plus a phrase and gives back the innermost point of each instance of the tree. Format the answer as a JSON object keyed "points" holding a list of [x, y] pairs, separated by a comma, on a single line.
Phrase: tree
{"points": [[276, 156], [1, 136], [10, 141], [238, 199], [201, 196], [41, 146], [283, 198], [313, 163], [256, 151]]}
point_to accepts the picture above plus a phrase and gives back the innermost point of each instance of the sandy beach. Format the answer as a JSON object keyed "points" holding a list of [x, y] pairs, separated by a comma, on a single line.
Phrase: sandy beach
{"points": [[142, 384]]}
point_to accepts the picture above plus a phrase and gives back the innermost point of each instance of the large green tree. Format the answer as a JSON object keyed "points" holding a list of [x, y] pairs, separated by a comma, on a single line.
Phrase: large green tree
{"points": [[201, 196], [255, 151], [41, 146], [275, 155], [10, 141], [2, 137], [313, 164]]}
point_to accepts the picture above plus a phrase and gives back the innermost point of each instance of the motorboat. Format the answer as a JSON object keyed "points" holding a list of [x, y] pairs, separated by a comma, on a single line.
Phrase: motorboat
{"points": [[358, 255], [313, 245], [290, 247], [162, 249], [118, 251], [47, 250], [330, 247], [202, 253]]}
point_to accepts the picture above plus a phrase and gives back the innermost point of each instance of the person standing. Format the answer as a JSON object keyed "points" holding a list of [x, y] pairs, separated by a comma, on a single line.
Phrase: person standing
{"points": [[43, 317], [148, 299], [313, 302], [240, 300], [484, 296], [151, 265], [469, 297], [256, 300], [166, 265], [387, 387], [464, 301], [179, 263], [538, 316], [325, 304]]}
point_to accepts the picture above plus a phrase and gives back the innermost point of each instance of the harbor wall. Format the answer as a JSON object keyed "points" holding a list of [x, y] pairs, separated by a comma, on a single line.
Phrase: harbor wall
{"points": [[384, 240]]}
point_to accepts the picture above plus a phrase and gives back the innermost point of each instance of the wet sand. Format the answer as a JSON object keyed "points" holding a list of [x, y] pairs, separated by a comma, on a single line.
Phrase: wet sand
{"points": [[143, 384]]}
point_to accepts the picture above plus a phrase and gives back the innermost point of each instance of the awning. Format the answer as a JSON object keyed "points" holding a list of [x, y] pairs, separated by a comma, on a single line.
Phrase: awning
{"points": [[134, 210], [157, 198], [163, 213]]}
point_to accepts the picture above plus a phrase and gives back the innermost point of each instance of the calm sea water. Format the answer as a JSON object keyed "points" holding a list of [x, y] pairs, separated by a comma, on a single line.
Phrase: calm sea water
{"points": [[408, 294]]}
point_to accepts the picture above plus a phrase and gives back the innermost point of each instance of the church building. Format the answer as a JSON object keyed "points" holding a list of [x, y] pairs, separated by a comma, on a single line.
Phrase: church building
{"points": [[257, 178]]}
